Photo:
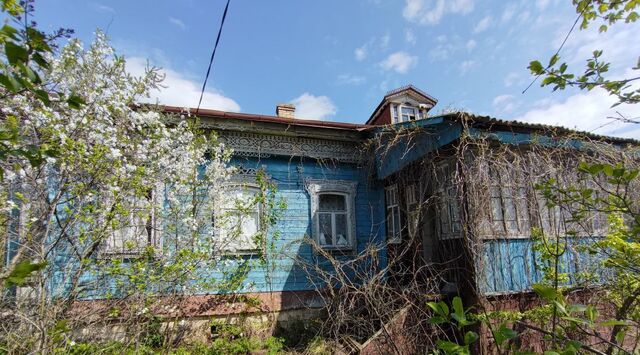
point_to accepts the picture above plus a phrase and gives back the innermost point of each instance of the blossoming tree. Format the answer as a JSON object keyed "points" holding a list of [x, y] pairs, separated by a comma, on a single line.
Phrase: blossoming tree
{"points": [[103, 198]]}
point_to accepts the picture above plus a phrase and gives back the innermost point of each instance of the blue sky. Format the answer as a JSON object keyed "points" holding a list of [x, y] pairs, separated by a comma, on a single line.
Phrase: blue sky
{"points": [[336, 59]]}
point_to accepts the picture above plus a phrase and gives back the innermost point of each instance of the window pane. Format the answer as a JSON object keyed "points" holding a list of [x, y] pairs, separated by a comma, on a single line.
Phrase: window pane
{"points": [[408, 111], [332, 202], [341, 230], [396, 221], [239, 220], [392, 195], [249, 228], [411, 195], [326, 237]]}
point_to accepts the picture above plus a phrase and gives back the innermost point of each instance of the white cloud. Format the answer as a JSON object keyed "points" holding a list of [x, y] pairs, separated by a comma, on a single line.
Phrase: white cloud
{"points": [[471, 44], [361, 53], [316, 107], [466, 66], [104, 8], [178, 23], [585, 111], [447, 46], [542, 4], [431, 12], [614, 43], [483, 24], [350, 79], [180, 91], [505, 103], [409, 36], [508, 12], [384, 41], [513, 78], [400, 62]]}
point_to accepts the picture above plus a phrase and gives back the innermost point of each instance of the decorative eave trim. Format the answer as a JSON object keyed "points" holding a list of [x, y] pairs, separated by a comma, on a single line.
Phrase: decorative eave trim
{"points": [[265, 145]]}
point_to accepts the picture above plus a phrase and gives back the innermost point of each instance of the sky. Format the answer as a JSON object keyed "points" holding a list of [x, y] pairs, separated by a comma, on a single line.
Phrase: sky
{"points": [[336, 59]]}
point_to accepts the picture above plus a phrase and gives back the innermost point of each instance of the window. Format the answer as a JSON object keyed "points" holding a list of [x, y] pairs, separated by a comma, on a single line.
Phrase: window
{"points": [[411, 195], [134, 230], [332, 212], [393, 214], [408, 114], [332, 217], [394, 108], [449, 213], [509, 208], [413, 208], [238, 220]]}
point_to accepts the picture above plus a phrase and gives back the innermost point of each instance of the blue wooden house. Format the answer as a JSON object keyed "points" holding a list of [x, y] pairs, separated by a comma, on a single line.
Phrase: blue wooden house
{"points": [[398, 182], [420, 190]]}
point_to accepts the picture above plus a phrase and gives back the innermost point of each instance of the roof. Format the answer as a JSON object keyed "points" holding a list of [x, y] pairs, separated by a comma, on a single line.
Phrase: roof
{"points": [[492, 121], [398, 91], [267, 118], [489, 122], [410, 87], [476, 120]]}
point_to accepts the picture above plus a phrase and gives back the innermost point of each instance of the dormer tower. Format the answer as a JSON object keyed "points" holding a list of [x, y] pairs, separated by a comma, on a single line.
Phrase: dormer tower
{"points": [[404, 104]]}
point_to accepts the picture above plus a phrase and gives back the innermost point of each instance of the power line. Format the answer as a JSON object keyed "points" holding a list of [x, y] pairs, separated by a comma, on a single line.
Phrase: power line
{"points": [[213, 54], [559, 49]]}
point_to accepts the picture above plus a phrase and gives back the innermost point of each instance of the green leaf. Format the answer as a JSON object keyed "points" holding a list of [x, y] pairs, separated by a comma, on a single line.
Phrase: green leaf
{"points": [[436, 320], [15, 53], [10, 83], [603, 28], [458, 308], [536, 67], [546, 292], [9, 32], [22, 271], [75, 101], [591, 313], [440, 308], [39, 59], [29, 73], [470, 337], [620, 336], [563, 67], [554, 60], [448, 347], [43, 96], [612, 322], [503, 333]]}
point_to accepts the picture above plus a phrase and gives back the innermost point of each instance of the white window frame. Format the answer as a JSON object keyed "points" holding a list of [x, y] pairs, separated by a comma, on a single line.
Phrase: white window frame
{"points": [[449, 224], [398, 117], [414, 114], [220, 232], [392, 207], [317, 187], [413, 207], [128, 232], [509, 211]]}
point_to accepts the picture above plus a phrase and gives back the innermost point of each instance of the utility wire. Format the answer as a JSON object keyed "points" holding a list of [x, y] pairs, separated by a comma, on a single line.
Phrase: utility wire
{"points": [[559, 49], [213, 54]]}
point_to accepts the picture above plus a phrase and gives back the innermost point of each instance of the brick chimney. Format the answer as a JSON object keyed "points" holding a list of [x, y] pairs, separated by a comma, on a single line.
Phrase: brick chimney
{"points": [[286, 110]]}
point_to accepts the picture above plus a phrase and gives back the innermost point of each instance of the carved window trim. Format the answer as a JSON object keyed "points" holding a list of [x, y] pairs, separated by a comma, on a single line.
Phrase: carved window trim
{"points": [[394, 221], [241, 182], [150, 235], [317, 187]]}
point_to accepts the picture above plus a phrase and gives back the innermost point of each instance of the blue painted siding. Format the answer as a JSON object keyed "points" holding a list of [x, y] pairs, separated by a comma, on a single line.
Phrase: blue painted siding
{"points": [[509, 265], [281, 272], [433, 134], [289, 175]]}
